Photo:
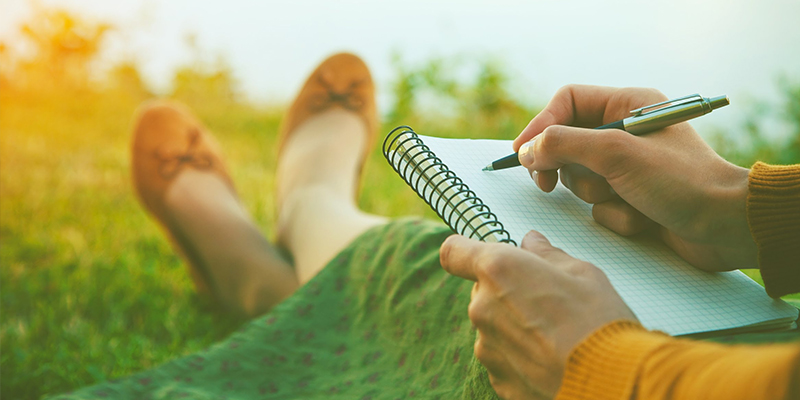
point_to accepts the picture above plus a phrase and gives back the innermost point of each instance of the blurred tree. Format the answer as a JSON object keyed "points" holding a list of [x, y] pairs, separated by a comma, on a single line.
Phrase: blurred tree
{"points": [[125, 78], [482, 106], [492, 103], [5, 67], [204, 84], [759, 143], [64, 46], [791, 113], [195, 83]]}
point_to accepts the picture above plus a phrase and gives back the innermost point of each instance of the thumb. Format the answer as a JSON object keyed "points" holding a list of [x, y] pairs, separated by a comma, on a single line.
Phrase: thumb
{"points": [[602, 151]]}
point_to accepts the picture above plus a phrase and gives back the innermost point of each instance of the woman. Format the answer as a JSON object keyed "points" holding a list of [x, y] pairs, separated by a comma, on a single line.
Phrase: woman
{"points": [[365, 309]]}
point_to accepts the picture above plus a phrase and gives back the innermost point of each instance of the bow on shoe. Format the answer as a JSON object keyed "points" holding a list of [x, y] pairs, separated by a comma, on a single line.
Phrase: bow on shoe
{"points": [[347, 99], [170, 164]]}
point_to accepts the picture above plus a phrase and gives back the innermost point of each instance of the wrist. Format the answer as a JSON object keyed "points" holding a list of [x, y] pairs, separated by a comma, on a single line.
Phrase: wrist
{"points": [[729, 228]]}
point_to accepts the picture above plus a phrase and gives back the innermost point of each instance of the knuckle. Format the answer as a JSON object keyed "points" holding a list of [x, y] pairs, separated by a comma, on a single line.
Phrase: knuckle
{"points": [[547, 250], [477, 312], [630, 222], [537, 245], [444, 254], [566, 90], [493, 265], [657, 94], [550, 138], [645, 94], [620, 217], [596, 274], [614, 138], [481, 352], [590, 190], [626, 227], [588, 270], [502, 390], [571, 89], [616, 147]]}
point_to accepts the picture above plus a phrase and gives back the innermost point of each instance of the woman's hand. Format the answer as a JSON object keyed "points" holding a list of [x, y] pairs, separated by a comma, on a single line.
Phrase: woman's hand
{"points": [[670, 180], [531, 307]]}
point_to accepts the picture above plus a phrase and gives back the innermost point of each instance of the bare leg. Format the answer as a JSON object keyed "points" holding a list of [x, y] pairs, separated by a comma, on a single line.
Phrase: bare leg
{"points": [[226, 253], [317, 178], [247, 274]]}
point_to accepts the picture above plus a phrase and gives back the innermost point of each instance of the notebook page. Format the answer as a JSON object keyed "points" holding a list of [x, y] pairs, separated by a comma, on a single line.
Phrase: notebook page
{"points": [[664, 292]]}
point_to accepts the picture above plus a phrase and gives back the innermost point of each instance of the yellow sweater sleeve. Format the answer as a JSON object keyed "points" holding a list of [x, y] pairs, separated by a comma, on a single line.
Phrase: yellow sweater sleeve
{"points": [[773, 212], [623, 361]]}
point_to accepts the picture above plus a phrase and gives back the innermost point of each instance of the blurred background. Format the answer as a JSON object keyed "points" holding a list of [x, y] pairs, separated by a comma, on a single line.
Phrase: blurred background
{"points": [[90, 290]]}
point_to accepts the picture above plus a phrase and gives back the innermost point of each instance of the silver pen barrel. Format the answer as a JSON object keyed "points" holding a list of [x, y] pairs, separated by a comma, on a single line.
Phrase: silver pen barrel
{"points": [[670, 115]]}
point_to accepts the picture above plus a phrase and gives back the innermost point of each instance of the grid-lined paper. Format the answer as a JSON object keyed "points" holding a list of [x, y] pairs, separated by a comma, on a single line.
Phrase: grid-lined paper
{"points": [[664, 291]]}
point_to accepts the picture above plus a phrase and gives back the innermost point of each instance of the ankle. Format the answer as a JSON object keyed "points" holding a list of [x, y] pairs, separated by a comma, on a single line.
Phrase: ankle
{"points": [[323, 151], [307, 200]]}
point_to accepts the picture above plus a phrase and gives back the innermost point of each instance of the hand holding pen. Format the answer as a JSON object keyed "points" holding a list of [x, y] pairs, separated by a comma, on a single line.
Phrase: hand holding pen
{"points": [[644, 120], [668, 181]]}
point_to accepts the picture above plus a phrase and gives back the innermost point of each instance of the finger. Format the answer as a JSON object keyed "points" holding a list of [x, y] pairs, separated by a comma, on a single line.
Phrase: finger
{"points": [[471, 259], [585, 184], [491, 357], [489, 309], [579, 105], [605, 152], [624, 100], [536, 243], [457, 254], [620, 217], [545, 180], [699, 256]]}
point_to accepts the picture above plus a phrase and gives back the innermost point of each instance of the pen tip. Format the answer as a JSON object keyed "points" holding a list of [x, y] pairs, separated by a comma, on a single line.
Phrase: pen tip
{"points": [[488, 168], [719, 101]]}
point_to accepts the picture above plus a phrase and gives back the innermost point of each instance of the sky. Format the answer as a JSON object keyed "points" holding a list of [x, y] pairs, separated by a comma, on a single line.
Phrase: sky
{"points": [[681, 47]]}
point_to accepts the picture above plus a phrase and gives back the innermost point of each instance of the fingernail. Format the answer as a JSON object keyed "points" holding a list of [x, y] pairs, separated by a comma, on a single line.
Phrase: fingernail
{"points": [[526, 154], [534, 176]]}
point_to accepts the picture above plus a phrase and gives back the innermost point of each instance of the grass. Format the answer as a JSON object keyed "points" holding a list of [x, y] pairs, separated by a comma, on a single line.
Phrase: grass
{"points": [[90, 290]]}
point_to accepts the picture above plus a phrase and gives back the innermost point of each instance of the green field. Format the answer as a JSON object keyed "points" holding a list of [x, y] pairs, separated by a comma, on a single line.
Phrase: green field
{"points": [[90, 289]]}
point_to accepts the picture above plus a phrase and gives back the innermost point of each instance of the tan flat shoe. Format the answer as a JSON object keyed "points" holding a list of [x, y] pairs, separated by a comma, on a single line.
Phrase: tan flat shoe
{"points": [[342, 80], [167, 139]]}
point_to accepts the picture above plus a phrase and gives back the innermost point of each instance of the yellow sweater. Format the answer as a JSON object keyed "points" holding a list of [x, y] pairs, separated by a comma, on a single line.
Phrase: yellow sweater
{"points": [[624, 361]]}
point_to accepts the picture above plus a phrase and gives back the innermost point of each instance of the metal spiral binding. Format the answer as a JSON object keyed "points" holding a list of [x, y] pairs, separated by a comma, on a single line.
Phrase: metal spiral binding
{"points": [[460, 202]]}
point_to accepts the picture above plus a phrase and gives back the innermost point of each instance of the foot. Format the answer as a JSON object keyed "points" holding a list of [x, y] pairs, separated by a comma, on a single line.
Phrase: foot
{"points": [[326, 136], [180, 177]]}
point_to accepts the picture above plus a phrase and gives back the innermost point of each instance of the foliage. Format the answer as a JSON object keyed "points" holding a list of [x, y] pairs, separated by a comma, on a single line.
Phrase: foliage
{"points": [[64, 48], [759, 142], [89, 288], [431, 96]]}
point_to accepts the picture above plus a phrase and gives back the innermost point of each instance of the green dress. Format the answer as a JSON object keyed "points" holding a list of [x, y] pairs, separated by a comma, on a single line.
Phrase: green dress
{"points": [[382, 320]]}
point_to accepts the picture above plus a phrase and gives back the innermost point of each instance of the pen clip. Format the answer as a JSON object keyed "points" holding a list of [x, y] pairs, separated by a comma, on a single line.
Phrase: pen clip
{"points": [[666, 104]]}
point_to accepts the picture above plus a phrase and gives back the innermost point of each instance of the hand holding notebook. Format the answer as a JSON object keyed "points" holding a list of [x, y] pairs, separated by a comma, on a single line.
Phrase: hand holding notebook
{"points": [[662, 289]]}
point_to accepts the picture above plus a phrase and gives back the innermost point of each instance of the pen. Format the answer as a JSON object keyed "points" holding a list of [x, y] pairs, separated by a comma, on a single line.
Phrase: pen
{"points": [[646, 119]]}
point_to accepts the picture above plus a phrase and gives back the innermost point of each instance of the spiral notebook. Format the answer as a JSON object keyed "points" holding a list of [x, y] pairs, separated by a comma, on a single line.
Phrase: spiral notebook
{"points": [[663, 290]]}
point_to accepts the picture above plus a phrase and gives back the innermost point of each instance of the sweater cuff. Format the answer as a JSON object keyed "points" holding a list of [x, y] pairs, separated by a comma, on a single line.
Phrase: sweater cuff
{"points": [[606, 364], [773, 212]]}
